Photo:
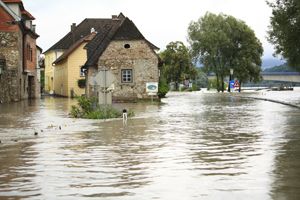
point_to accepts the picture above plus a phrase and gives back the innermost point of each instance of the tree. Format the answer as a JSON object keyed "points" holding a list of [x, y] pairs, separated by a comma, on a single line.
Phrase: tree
{"points": [[284, 31], [177, 65], [221, 42], [201, 79]]}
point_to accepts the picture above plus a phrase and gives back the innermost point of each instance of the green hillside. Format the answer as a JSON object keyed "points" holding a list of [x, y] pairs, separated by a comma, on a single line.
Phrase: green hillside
{"points": [[280, 68]]}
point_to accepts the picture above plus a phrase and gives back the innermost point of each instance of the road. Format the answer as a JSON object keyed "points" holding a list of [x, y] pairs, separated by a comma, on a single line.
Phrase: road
{"points": [[192, 146]]}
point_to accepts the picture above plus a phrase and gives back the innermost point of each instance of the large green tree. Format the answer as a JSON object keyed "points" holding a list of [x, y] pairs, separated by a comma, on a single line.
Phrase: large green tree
{"points": [[221, 42], [284, 30], [177, 65]]}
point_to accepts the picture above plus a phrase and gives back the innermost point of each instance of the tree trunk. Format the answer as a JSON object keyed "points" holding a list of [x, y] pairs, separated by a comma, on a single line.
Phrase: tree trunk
{"points": [[240, 85], [222, 83], [218, 84]]}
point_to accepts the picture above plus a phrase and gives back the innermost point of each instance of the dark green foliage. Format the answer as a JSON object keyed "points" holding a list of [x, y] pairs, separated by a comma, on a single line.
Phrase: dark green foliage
{"points": [[201, 80], [221, 42], [212, 84], [81, 83], [284, 30], [88, 108], [177, 63], [163, 87]]}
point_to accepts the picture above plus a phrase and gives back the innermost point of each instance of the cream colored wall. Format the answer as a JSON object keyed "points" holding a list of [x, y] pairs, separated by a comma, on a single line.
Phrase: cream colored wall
{"points": [[61, 79], [75, 61], [49, 71], [50, 57]]}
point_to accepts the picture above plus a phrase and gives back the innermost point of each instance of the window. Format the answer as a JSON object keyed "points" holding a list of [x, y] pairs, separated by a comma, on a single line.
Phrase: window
{"points": [[126, 75], [29, 54], [27, 51], [82, 71]]}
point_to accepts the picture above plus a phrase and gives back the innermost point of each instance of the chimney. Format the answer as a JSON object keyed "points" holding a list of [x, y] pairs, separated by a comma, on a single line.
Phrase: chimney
{"points": [[73, 26], [114, 17]]}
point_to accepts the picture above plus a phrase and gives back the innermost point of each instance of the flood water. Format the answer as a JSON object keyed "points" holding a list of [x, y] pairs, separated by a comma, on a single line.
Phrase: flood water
{"points": [[193, 146]]}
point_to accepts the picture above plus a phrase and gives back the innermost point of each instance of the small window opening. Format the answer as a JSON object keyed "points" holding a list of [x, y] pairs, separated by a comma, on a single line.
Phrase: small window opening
{"points": [[82, 71], [127, 46]]}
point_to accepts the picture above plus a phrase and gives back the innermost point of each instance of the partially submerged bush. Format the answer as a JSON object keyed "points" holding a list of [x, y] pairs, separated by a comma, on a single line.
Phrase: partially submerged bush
{"points": [[163, 88], [89, 109]]}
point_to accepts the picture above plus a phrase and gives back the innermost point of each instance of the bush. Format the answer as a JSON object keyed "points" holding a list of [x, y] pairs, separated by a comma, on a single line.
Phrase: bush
{"points": [[163, 88], [89, 109], [81, 83]]}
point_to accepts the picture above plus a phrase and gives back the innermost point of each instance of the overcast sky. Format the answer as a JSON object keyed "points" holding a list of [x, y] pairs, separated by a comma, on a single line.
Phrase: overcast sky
{"points": [[160, 21]]}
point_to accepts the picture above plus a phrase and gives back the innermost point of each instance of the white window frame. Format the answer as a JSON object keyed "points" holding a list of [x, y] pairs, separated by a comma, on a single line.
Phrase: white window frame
{"points": [[82, 71], [126, 75]]}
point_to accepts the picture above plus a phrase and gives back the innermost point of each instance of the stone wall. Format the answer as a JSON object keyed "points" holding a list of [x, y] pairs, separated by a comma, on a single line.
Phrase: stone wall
{"points": [[139, 57], [11, 78]]}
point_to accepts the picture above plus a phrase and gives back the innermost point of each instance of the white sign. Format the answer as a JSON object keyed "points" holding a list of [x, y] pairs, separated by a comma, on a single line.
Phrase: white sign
{"points": [[104, 78], [152, 87]]}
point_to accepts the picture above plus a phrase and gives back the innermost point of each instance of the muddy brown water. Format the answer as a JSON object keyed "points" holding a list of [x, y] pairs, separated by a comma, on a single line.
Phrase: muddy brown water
{"points": [[193, 146]]}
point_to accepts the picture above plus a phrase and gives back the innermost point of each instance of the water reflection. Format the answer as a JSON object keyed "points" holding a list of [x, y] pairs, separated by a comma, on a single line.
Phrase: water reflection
{"points": [[287, 161], [18, 172], [194, 146]]}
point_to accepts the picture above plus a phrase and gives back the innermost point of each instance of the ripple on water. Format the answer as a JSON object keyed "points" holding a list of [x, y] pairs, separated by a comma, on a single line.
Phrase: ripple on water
{"points": [[195, 146]]}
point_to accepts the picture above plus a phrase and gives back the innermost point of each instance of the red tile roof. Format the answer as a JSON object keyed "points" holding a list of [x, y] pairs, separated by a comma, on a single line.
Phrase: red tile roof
{"points": [[25, 12]]}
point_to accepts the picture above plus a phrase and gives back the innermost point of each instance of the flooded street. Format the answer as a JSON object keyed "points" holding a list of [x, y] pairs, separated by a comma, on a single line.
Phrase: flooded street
{"points": [[192, 146]]}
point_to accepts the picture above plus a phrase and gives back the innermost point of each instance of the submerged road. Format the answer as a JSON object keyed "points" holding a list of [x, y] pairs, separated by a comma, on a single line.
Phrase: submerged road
{"points": [[192, 146]]}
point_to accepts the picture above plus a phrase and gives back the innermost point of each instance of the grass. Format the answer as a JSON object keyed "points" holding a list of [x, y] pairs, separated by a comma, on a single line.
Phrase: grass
{"points": [[88, 108]]}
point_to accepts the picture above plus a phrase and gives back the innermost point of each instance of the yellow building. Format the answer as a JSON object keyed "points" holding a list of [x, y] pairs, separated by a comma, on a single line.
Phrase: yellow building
{"points": [[64, 59], [50, 57], [68, 69]]}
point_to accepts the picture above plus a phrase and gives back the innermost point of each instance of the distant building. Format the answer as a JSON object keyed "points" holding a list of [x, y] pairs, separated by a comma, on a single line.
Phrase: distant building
{"points": [[39, 68], [64, 60], [18, 74], [122, 50], [68, 69], [113, 44]]}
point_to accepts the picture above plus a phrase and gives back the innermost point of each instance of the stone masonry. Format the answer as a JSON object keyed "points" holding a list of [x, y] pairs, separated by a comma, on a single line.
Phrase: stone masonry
{"points": [[10, 43], [139, 57]]}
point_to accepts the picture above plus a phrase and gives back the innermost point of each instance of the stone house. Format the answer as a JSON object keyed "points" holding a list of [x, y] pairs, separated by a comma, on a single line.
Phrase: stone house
{"points": [[114, 44], [131, 59], [18, 74]]}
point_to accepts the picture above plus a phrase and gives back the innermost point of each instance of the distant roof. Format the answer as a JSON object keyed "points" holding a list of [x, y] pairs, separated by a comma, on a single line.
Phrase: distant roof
{"points": [[73, 47], [116, 28], [38, 47], [80, 31], [122, 29], [27, 14]]}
